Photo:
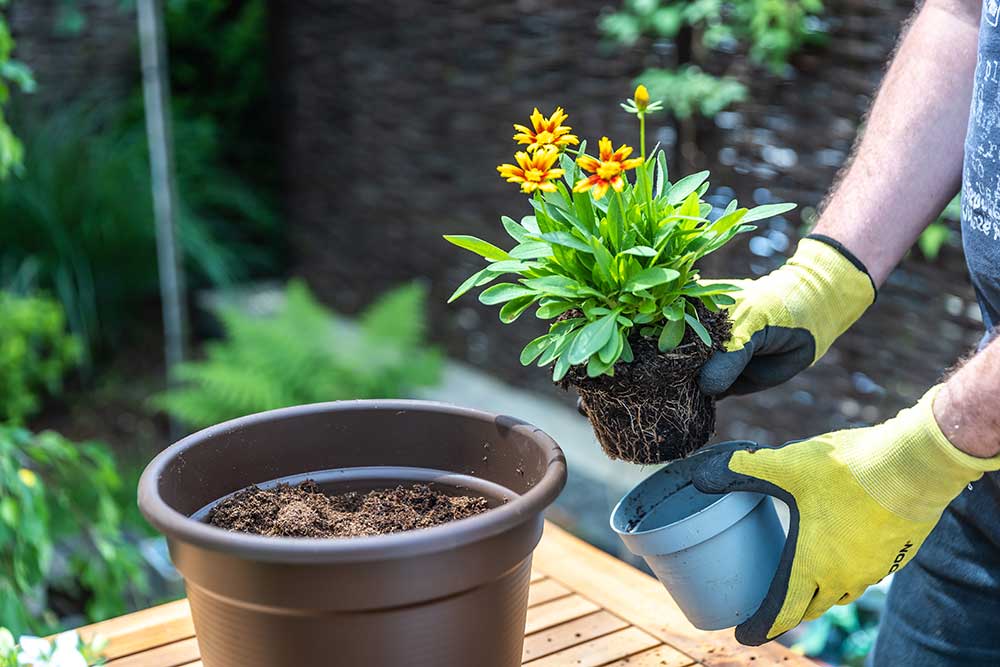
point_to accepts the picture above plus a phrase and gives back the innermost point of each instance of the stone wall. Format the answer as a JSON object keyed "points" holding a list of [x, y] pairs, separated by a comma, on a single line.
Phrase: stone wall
{"points": [[99, 60]]}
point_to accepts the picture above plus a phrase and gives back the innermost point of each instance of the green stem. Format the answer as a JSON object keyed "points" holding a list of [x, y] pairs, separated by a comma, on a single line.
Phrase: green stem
{"points": [[647, 189]]}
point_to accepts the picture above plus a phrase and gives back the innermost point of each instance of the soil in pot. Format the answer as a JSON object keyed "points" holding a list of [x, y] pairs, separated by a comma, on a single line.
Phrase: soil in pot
{"points": [[651, 410], [303, 510]]}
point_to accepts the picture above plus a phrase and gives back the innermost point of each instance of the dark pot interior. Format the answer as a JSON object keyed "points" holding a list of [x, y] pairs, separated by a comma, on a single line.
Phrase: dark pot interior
{"points": [[450, 595]]}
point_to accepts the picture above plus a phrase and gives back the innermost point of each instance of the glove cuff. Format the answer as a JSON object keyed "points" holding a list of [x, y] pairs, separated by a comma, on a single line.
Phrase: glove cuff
{"points": [[919, 471], [838, 286]]}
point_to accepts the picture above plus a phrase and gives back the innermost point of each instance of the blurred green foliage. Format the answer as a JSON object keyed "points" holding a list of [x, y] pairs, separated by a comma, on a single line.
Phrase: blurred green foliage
{"points": [[78, 222], [56, 493], [687, 90], [15, 73], [35, 353], [939, 233], [219, 63], [306, 354], [770, 30]]}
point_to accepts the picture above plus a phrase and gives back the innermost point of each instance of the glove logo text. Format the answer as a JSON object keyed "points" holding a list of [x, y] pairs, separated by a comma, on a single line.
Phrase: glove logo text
{"points": [[900, 557]]}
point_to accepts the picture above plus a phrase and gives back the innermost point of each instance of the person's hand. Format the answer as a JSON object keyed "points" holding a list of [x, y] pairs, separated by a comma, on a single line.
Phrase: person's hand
{"points": [[785, 321], [861, 501]]}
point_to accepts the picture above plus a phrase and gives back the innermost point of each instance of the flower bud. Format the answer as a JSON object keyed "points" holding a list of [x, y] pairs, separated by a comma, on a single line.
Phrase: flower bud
{"points": [[641, 97]]}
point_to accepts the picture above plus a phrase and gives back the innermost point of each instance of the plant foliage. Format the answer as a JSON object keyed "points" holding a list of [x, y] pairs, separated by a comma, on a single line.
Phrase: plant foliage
{"points": [[606, 267], [687, 90], [67, 650], [13, 73], [61, 497], [771, 31], [35, 353], [306, 354], [78, 222]]}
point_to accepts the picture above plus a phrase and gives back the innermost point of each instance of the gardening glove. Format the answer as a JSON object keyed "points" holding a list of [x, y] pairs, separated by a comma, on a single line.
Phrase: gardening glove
{"points": [[861, 502], [785, 321]]}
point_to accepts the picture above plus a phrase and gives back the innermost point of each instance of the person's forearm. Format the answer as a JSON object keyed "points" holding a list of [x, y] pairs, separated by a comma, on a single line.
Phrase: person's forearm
{"points": [[909, 162], [966, 407]]}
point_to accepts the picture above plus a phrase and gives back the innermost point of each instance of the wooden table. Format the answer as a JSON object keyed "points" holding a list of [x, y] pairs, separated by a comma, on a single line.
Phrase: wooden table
{"points": [[586, 609]]}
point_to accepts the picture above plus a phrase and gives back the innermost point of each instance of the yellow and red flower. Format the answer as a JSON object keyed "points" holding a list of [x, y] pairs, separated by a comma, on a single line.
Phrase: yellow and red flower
{"points": [[533, 172], [546, 131], [606, 170]]}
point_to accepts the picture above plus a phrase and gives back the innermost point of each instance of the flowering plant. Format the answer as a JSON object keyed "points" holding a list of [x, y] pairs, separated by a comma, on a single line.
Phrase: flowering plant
{"points": [[66, 650], [604, 256]]}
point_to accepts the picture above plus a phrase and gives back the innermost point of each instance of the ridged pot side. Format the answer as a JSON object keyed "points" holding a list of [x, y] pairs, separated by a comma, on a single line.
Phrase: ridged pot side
{"points": [[455, 594]]}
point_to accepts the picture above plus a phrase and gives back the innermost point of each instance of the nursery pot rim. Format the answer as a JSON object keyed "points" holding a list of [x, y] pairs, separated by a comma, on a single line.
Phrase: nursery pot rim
{"points": [[521, 508]]}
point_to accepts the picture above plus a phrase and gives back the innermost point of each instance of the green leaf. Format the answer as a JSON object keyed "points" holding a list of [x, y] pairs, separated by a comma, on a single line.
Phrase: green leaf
{"points": [[682, 188], [597, 367], [767, 211], [661, 174], [641, 251], [699, 329], [710, 288], [567, 240], [535, 348], [530, 223], [592, 338], [478, 246], [612, 349], [651, 277], [556, 286], [503, 292], [513, 308], [531, 250], [616, 223], [511, 266], [560, 369], [671, 335], [603, 266], [547, 311], [627, 355], [516, 231], [674, 311], [476, 279]]}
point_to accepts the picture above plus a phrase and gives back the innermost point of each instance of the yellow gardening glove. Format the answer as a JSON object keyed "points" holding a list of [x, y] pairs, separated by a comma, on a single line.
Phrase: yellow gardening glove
{"points": [[785, 321], [862, 501]]}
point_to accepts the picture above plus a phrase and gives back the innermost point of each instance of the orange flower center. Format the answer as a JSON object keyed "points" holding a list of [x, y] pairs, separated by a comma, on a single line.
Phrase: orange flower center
{"points": [[536, 175], [544, 137], [608, 170]]}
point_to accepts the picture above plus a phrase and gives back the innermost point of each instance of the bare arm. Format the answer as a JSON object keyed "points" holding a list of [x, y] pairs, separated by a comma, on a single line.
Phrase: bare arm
{"points": [[907, 166], [965, 409], [909, 162]]}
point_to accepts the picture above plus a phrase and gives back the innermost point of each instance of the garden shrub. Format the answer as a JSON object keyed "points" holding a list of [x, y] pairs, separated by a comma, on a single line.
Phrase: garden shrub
{"points": [[78, 222], [35, 353], [306, 354], [62, 532]]}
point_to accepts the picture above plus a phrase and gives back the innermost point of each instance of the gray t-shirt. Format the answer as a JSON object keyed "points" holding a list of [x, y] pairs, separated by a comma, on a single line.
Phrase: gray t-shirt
{"points": [[981, 188], [981, 173]]}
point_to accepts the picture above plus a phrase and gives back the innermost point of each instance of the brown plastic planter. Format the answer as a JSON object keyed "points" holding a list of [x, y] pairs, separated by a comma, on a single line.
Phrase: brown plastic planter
{"points": [[450, 596]]}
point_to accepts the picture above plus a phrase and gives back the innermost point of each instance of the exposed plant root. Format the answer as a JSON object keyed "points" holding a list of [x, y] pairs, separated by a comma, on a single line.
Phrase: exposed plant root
{"points": [[652, 411]]}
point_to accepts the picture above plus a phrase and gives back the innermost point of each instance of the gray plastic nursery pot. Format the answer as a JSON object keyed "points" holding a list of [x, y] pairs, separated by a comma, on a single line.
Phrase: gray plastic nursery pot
{"points": [[715, 554], [453, 595]]}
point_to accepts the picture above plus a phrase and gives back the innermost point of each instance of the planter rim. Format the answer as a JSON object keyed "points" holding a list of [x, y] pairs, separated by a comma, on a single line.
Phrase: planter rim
{"points": [[523, 507]]}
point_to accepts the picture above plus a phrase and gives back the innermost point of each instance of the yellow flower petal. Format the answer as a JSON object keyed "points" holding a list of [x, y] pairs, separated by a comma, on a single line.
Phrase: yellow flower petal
{"points": [[600, 189]]}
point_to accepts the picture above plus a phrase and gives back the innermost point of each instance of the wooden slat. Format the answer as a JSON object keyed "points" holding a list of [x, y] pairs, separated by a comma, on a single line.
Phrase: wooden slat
{"points": [[569, 634], [168, 655], [642, 600], [558, 611], [546, 591], [536, 576], [600, 651], [661, 656], [144, 629]]}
